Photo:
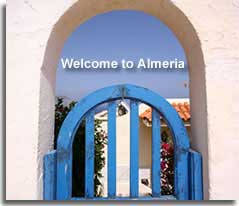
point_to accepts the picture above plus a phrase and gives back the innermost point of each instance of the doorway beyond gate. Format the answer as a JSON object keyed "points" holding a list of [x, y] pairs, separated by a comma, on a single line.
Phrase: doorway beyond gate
{"points": [[187, 163]]}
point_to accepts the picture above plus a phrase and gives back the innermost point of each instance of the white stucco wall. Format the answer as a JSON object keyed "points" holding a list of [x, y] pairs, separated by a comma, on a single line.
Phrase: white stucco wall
{"points": [[36, 31]]}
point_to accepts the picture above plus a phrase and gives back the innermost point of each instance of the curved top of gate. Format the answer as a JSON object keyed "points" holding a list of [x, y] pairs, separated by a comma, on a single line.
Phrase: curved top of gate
{"points": [[111, 93]]}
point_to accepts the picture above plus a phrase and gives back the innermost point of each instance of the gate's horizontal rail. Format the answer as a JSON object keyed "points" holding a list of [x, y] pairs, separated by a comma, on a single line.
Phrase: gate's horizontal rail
{"points": [[163, 197]]}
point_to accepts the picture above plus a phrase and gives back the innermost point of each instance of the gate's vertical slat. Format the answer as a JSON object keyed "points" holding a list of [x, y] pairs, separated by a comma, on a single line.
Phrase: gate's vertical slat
{"points": [[156, 185], [134, 149], [89, 156], [112, 149]]}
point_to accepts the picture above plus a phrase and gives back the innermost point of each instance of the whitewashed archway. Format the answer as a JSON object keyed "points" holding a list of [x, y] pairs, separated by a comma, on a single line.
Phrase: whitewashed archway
{"points": [[165, 11], [34, 45]]}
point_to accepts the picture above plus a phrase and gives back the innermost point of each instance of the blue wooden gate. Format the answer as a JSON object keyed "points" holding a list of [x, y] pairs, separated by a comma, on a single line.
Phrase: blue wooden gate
{"points": [[187, 163]]}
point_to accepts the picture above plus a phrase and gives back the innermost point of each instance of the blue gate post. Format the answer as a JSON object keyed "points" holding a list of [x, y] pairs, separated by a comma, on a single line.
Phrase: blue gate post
{"points": [[49, 187], [195, 174]]}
